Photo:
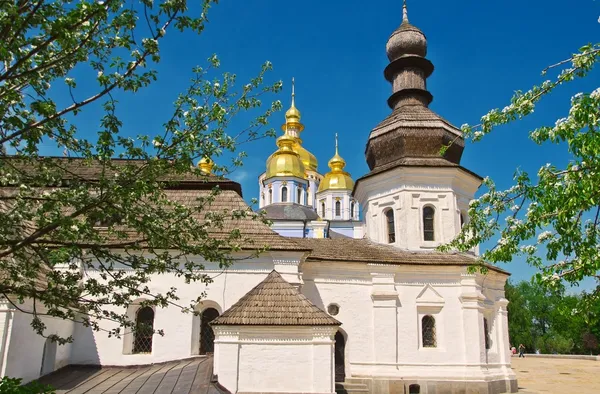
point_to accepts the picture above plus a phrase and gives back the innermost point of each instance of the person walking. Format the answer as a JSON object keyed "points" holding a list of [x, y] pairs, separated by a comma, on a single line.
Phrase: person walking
{"points": [[521, 351]]}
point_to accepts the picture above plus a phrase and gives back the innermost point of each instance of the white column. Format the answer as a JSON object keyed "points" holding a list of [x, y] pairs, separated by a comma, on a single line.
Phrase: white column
{"points": [[502, 332], [472, 319]]}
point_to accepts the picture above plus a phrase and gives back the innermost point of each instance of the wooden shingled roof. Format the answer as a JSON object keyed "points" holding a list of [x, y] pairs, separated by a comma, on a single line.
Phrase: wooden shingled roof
{"points": [[275, 302], [365, 251]]}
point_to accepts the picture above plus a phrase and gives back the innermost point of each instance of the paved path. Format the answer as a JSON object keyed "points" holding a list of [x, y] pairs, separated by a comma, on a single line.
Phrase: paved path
{"points": [[543, 375], [177, 377]]}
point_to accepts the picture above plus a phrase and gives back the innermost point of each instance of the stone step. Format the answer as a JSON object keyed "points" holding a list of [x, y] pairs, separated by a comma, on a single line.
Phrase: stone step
{"points": [[350, 388]]}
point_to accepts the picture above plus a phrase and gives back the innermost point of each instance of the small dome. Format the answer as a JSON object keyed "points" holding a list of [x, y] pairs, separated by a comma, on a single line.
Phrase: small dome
{"points": [[206, 165], [337, 178], [285, 162], [292, 115], [406, 40]]}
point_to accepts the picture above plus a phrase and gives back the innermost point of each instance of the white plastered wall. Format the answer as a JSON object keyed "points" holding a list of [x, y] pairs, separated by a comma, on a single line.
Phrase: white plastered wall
{"points": [[406, 191], [381, 307], [181, 329], [22, 350], [275, 359]]}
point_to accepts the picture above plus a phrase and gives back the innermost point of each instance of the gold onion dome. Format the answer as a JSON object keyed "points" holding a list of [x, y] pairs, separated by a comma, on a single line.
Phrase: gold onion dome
{"points": [[292, 122], [285, 162], [406, 40], [206, 165], [337, 178]]}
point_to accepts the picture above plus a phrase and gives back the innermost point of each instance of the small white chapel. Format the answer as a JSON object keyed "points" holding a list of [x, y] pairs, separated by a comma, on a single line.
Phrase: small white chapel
{"points": [[337, 303]]}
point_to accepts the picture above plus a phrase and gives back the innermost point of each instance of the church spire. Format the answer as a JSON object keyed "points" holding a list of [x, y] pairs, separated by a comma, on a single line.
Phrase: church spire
{"points": [[404, 13]]}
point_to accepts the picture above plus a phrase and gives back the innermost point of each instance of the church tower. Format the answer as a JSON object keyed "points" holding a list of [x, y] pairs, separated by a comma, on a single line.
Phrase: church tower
{"points": [[414, 197]]}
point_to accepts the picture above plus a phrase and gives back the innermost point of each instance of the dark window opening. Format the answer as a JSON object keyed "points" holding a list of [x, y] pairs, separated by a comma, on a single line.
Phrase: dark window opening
{"points": [[428, 216], [391, 226], [323, 209], [488, 342], [270, 196], [284, 196], [352, 210], [207, 335], [414, 389], [338, 208], [428, 330], [299, 196], [144, 330], [339, 356]]}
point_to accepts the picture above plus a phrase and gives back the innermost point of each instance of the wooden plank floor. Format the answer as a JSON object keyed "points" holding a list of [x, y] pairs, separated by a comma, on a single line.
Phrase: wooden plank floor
{"points": [[177, 377]]}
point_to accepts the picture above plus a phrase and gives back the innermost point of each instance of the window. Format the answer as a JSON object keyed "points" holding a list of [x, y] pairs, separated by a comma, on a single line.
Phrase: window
{"points": [[323, 209], [428, 331], [338, 208], [270, 196], [428, 215], [284, 194], [352, 210], [486, 332], [144, 330], [207, 336], [462, 220], [391, 227], [299, 195]]}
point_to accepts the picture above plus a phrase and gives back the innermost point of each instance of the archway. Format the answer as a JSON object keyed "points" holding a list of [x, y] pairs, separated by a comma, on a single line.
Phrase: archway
{"points": [[340, 359], [207, 336]]}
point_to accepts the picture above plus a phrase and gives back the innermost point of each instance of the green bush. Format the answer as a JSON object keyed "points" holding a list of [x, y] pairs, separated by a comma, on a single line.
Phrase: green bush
{"points": [[13, 386]]}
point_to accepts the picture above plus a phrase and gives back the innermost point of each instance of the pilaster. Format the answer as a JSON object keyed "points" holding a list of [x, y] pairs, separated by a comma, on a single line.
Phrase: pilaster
{"points": [[385, 319]]}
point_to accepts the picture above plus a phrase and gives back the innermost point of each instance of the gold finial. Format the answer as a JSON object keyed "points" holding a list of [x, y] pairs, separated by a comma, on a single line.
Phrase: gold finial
{"points": [[404, 13], [206, 165], [293, 93], [336, 144]]}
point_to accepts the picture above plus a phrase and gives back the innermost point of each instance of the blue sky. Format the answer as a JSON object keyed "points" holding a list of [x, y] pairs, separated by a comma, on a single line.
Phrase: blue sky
{"points": [[482, 52]]}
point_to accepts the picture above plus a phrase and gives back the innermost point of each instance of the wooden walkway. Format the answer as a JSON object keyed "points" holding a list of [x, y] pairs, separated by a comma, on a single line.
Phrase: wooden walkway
{"points": [[177, 377]]}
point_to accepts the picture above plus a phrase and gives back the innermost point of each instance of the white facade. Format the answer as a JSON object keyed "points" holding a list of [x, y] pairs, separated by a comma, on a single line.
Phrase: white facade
{"points": [[406, 192], [275, 359]]}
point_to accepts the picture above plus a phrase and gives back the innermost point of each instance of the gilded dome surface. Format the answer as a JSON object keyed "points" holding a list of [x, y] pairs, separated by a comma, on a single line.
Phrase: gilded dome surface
{"points": [[285, 162], [337, 178], [308, 159], [206, 165]]}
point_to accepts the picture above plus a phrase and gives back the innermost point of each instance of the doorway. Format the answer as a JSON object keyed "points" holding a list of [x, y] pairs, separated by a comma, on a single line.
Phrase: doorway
{"points": [[207, 336], [340, 360]]}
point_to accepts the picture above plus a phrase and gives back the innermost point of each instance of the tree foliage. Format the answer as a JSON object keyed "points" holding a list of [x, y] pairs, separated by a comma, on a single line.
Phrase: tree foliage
{"points": [[550, 321], [552, 218], [47, 49]]}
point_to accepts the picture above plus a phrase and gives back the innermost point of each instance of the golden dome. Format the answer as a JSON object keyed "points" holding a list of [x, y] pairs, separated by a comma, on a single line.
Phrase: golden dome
{"points": [[337, 178], [285, 162], [206, 165], [308, 159]]}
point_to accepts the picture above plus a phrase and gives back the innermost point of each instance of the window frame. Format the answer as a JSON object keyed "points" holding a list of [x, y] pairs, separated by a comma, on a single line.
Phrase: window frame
{"points": [[431, 321], [390, 236], [431, 220], [284, 194], [134, 346], [338, 208]]}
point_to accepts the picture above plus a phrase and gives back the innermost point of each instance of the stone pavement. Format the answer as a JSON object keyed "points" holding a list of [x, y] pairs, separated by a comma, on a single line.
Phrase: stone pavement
{"points": [[543, 375]]}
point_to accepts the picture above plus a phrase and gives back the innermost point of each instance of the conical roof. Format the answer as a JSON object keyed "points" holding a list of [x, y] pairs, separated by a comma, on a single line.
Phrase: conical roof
{"points": [[275, 302]]}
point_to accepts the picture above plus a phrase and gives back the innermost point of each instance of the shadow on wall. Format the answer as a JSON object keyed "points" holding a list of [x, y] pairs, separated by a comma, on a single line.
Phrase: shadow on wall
{"points": [[309, 289], [84, 349]]}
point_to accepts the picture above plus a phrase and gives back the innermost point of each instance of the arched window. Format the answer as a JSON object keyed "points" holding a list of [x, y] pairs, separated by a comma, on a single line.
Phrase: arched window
{"points": [[270, 196], [299, 195], [207, 336], [284, 194], [323, 209], [352, 210], [486, 331], [338, 208], [462, 220], [391, 226], [144, 330], [428, 216], [428, 331]]}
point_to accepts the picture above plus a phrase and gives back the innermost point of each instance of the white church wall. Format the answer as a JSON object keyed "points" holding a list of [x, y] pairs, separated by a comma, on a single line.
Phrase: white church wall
{"points": [[407, 191], [180, 333], [275, 359], [25, 354], [381, 308]]}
